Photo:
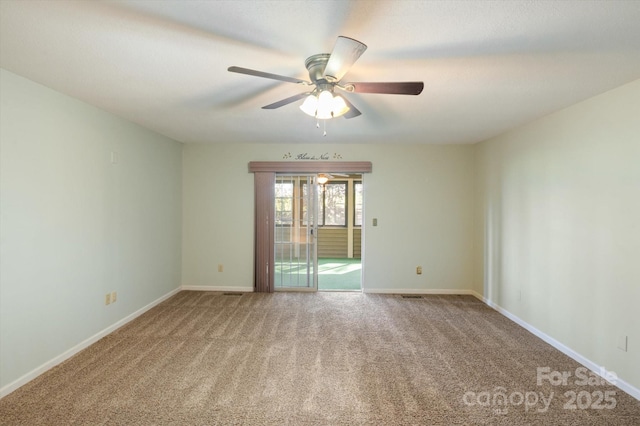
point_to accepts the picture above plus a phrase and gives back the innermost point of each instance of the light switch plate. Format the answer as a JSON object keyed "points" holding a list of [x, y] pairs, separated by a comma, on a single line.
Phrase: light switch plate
{"points": [[622, 342]]}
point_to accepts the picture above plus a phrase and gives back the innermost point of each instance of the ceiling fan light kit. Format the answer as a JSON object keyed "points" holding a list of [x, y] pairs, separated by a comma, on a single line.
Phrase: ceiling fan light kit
{"points": [[324, 106], [322, 178], [326, 72]]}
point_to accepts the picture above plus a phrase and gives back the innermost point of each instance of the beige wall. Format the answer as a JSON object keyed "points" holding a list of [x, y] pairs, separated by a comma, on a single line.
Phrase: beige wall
{"points": [[74, 226], [559, 204], [422, 196]]}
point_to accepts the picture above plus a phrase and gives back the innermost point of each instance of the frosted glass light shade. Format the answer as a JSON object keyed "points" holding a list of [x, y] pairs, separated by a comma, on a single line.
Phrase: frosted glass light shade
{"points": [[339, 106], [322, 179], [324, 106], [310, 105]]}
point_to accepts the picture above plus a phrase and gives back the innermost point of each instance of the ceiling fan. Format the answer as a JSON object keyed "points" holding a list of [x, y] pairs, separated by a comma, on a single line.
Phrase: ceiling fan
{"points": [[326, 72], [323, 178]]}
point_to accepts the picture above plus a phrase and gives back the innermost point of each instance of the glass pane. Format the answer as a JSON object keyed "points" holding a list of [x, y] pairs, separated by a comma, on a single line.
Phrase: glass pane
{"points": [[294, 244], [320, 221], [284, 203], [305, 193], [357, 189]]}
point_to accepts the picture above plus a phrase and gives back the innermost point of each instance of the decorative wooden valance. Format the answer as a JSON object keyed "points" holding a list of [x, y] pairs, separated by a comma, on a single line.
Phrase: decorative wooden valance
{"points": [[311, 166]]}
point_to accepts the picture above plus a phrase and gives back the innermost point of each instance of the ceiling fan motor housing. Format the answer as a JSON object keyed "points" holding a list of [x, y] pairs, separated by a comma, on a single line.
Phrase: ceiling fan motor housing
{"points": [[315, 65]]}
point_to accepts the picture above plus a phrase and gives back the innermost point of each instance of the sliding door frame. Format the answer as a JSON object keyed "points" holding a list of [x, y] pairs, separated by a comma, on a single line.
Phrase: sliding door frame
{"points": [[264, 184]]}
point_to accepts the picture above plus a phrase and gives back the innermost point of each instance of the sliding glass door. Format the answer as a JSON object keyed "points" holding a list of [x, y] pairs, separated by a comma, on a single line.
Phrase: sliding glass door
{"points": [[295, 222], [265, 263]]}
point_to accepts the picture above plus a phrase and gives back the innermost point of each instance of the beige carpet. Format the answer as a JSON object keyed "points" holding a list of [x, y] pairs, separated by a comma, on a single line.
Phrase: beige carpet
{"points": [[206, 358]]}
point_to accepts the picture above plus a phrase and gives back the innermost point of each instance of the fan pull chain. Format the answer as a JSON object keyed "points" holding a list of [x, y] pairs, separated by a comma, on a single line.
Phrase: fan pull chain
{"points": [[324, 126]]}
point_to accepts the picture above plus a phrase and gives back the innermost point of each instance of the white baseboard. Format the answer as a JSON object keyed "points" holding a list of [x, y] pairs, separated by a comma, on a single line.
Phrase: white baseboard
{"points": [[621, 384], [599, 370], [479, 296], [419, 291], [7, 389], [216, 288]]}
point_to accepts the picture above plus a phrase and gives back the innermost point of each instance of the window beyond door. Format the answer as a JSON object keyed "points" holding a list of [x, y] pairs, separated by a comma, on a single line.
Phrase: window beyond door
{"points": [[333, 204]]}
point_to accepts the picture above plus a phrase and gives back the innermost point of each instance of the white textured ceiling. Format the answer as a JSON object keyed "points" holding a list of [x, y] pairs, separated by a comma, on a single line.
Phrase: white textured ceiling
{"points": [[487, 66]]}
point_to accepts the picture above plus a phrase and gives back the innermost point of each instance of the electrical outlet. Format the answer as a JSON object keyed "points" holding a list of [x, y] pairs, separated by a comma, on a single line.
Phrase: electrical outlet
{"points": [[107, 299], [220, 267], [419, 270], [114, 297]]}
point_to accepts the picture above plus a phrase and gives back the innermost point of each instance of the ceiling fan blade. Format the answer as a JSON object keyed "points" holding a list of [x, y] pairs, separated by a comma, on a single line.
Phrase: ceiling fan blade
{"points": [[353, 111], [263, 74], [396, 88], [345, 53], [286, 101]]}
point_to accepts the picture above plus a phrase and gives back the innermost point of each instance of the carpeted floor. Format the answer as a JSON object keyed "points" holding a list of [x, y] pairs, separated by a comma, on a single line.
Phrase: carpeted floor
{"points": [[203, 358]]}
